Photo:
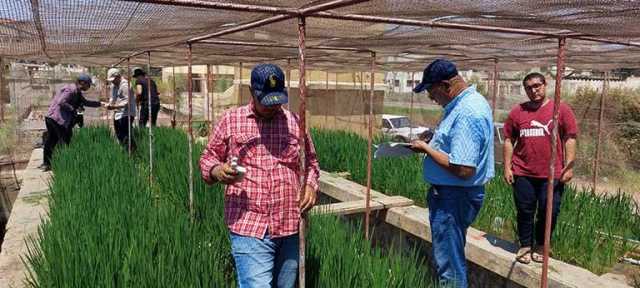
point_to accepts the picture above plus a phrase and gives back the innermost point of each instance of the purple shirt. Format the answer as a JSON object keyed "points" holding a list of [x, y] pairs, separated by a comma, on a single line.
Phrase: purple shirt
{"points": [[63, 107]]}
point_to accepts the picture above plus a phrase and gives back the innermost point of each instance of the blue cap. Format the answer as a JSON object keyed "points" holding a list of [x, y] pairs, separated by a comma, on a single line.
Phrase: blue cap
{"points": [[267, 83], [437, 71], [85, 78]]}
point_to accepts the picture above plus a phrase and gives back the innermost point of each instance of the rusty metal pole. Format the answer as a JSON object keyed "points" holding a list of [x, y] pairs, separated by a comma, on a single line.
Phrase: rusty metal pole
{"points": [[208, 95], [175, 97], [240, 86], [494, 93], [129, 106], [335, 105], [411, 118], [355, 83], [326, 93], [106, 96], [302, 86], [149, 116], [596, 161], [288, 80], [552, 162], [190, 127], [1, 90], [367, 214], [362, 99], [214, 83]]}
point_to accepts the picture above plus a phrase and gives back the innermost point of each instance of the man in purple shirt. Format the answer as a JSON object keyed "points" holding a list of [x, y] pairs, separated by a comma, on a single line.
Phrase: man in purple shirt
{"points": [[61, 115]]}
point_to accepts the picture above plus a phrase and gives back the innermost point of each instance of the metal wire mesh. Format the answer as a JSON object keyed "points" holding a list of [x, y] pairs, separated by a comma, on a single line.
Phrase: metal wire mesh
{"points": [[100, 33]]}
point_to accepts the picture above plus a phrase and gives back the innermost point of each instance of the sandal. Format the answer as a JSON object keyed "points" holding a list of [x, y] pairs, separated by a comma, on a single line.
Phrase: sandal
{"points": [[524, 255], [538, 254]]}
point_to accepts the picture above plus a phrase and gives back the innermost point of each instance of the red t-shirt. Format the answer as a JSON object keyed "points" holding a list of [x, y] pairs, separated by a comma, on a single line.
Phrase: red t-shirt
{"points": [[530, 131]]}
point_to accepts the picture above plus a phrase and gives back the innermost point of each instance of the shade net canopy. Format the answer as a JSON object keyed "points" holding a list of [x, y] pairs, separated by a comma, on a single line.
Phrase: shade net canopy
{"points": [[102, 33]]}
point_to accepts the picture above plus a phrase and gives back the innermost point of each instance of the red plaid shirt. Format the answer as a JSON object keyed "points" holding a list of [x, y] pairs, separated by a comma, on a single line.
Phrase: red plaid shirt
{"points": [[267, 196]]}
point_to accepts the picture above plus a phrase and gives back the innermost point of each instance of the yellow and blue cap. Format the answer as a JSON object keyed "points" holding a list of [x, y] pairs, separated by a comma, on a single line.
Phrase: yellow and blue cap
{"points": [[267, 83]]}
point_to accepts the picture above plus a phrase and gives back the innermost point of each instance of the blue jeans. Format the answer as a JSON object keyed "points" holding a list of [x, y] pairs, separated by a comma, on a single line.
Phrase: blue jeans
{"points": [[268, 262], [451, 211]]}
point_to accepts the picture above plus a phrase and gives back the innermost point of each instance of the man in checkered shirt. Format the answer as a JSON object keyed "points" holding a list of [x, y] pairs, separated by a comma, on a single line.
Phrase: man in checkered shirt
{"points": [[262, 206]]}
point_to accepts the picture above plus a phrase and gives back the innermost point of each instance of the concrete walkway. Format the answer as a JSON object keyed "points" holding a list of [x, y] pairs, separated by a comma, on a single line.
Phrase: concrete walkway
{"points": [[29, 209]]}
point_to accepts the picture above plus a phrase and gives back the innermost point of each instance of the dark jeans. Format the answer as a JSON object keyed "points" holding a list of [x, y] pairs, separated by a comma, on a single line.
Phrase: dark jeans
{"points": [[144, 114], [530, 195], [55, 134], [451, 210], [122, 131]]}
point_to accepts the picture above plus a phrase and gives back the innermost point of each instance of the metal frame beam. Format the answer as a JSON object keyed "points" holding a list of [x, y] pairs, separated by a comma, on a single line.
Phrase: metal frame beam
{"points": [[35, 10], [285, 15], [274, 45], [221, 6]]}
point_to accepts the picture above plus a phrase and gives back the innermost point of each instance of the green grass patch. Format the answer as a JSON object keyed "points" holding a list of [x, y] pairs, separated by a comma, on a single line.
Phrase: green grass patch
{"points": [[589, 226], [109, 227]]}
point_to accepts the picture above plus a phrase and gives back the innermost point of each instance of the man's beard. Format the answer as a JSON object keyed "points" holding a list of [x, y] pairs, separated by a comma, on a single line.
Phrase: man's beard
{"points": [[535, 104]]}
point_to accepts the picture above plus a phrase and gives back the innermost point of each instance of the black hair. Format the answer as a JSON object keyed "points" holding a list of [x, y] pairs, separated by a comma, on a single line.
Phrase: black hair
{"points": [[532, 76], [141, 73]]}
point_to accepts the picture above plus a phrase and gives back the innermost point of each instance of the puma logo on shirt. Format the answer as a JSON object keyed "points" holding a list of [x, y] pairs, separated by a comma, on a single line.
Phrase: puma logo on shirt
{"points": [[536, 132], [531, 130]]}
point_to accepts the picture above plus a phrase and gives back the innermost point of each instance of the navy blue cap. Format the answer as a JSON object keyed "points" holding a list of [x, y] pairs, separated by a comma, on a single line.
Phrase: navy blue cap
{"points": [[267, 83], [85, 78], [437, 71]]}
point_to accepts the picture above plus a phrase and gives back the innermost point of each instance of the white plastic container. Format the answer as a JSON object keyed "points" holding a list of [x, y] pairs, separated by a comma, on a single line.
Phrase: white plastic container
{"points": [[237, 168]]}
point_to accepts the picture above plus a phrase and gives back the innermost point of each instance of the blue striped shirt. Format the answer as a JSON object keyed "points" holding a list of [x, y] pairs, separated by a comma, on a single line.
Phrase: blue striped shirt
{"points": [[465, 134]]}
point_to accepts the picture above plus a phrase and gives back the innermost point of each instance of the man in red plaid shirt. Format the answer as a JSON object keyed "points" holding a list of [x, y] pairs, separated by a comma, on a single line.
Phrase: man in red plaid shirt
{"points": [[263, 204]]}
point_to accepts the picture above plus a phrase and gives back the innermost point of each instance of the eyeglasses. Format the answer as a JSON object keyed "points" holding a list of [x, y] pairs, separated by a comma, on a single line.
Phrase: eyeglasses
{"points": [[534, 86]]}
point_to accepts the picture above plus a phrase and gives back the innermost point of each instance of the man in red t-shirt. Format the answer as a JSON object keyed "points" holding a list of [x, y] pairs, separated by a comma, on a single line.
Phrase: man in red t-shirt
{"points": [[527, 152]]}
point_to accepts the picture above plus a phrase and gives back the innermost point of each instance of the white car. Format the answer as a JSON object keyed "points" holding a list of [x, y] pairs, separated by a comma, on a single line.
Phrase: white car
{"points": [[399, 128]]}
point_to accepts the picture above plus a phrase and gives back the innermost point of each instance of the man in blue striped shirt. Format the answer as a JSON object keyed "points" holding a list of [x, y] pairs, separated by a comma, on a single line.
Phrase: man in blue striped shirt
{"points": [[458, 162]]}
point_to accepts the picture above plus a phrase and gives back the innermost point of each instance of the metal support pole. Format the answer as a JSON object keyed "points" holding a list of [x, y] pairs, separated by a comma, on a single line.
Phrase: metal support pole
{"points": [[129, 106], [214, 82], [302, 86], [288, 80], [494, 93], [326, 111], [411, 118], [367, 214], [355, 85], [106, 95], [1, 90], [596, 161], [335, 105], [175, 97], [552, 162], [362, 98], [190, 127], [393, 87], [149, 116], [240, 86], [208, 94]]}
